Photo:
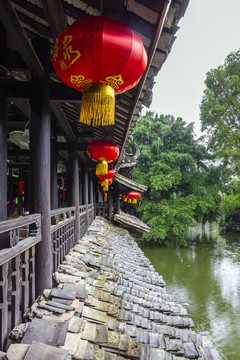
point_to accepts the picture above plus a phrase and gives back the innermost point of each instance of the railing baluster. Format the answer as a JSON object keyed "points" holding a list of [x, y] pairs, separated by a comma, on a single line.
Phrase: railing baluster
{"points": [[25, 281], [32, 275], [3, 305], [15, 296]]}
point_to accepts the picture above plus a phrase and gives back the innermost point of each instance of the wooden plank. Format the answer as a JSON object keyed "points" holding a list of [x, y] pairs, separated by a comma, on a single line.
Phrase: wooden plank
{"points": [[12, 224], [13, 26], [8, 254], [61, 224], [61, 211]]}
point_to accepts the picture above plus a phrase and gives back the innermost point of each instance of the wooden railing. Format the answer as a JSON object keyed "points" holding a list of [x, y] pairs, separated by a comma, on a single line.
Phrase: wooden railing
{"points": [[102, 209], [17, 270], [62, 233], [83, 219], [17, 258]]}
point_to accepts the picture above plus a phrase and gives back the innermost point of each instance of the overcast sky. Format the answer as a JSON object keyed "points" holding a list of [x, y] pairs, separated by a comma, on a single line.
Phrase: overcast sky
{"points": [[208, 32]]}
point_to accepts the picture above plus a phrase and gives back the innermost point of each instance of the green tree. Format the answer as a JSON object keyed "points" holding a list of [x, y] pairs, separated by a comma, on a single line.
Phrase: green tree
{"points": [[181, 189], [220, 108]]}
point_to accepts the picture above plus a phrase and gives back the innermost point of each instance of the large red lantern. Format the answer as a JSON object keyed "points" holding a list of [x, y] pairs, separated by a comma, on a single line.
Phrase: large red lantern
{"points": [[101, 57], [103, 152], [133, 196]]}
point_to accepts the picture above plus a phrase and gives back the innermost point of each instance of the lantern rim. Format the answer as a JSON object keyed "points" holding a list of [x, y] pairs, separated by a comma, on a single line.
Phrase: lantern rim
{"points": [[99, 88]]}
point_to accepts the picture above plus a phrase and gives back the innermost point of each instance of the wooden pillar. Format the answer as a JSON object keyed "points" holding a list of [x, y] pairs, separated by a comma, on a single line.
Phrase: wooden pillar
{"points": [[80, 188], [85, 191], [110, 203], [91, 195], [3, 132], [94, 197], [54, 180], [40, 125], [117, 201], [3, 154], [74, 186]]}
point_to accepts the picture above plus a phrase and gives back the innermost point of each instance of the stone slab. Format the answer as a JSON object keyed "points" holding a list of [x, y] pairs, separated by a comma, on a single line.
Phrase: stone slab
{"points": [[40, 351], [71, 342], [75, 324], [49, 332], [17, 351], [59, 305], [68, 295], [80, 290]]}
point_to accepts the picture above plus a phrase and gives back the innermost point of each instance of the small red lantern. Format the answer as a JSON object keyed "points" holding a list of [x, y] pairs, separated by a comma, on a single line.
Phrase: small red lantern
{"points": [[103, 152], [133, 196], [124, 197], [106, 180], [101, 57], [105, 183], [20, 187]]}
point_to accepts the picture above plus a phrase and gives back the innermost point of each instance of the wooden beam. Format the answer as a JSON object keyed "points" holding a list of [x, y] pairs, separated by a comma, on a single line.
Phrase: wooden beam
{"points": [[55, 15], [28, 6], [63, 146], [13, 26], [61, 119], [57, 91]]}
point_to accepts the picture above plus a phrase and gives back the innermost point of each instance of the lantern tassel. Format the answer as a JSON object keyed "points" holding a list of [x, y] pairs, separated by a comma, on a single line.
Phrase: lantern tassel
{"points": [[134, 201], [102, 167], [98, 105], [129, 201]]}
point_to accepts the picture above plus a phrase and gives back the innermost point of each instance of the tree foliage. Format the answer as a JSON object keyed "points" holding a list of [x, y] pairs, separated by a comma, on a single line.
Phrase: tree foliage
{"points": [[220, 108], [181, 188]]}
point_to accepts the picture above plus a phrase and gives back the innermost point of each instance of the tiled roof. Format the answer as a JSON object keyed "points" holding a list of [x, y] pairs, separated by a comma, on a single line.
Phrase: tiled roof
{"points": [[109, 303]]}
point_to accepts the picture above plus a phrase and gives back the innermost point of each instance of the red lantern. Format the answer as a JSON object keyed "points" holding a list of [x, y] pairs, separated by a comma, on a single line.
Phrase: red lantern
{"points": [[105, 183], [20, 187], [125, 197], [101, 57], [104, 152], [134, 195], [109, 175]]}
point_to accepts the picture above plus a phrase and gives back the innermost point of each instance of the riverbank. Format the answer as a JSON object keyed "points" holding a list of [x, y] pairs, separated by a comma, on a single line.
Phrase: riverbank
{"points": [[205, 278]]}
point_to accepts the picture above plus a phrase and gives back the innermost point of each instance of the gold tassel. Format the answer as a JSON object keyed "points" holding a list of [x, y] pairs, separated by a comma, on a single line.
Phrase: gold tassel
{"points": [[98, 105], [104, 183], [105, 188], [129, 201], [125, 200], [105, 194], [134, 201], [102, 167]]}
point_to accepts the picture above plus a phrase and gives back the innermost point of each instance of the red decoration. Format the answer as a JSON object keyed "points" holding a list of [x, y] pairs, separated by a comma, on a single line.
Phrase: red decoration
{"points": [[109, 175], [104, 152], [133, 196], [20, 187], [125, 197], [101, 57]]}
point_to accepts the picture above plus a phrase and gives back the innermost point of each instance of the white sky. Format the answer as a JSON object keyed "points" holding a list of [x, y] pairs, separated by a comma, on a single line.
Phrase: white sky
{"points": [[208, 32]]}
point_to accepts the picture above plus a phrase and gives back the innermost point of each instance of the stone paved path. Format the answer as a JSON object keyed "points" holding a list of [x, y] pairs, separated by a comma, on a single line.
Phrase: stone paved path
{"points": [[107, 303]]}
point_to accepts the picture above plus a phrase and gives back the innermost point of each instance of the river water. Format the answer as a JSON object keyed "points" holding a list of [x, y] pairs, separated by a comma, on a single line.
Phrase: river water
{"points": [[205, 277]]}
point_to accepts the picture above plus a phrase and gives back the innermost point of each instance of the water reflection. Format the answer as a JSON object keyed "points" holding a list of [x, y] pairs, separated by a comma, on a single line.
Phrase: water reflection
{"points": [[205, 278]]}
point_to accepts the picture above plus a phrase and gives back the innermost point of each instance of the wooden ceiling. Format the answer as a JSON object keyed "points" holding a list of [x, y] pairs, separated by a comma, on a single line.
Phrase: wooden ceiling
{"points": [[155, 21]]}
